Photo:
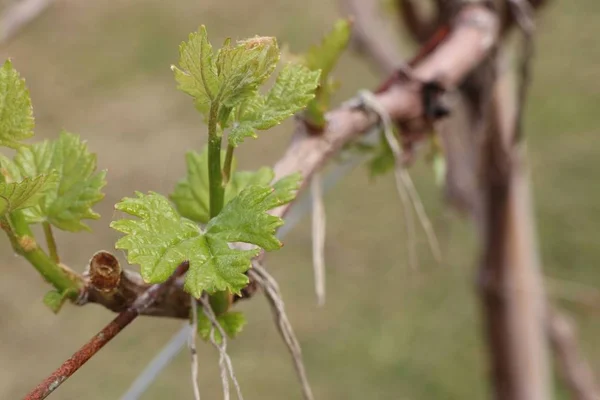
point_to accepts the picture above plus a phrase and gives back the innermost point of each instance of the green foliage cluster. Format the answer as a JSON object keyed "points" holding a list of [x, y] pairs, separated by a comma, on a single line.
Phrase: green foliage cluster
{"points": [[225, 88], [217, 218], [53, 182]]}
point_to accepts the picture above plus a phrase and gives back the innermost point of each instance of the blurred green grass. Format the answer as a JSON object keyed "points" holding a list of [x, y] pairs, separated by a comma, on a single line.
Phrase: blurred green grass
{"points": [[101, 69]]}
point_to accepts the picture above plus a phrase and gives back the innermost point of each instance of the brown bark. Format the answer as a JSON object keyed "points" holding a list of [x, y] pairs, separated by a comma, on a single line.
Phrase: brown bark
{"points": [[573, 368], [369, 35]]}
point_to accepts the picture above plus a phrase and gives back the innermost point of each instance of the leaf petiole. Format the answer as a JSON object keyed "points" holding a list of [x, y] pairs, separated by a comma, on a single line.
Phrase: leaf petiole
{"points": [[215, 177], [227, 166], [51, 242]]}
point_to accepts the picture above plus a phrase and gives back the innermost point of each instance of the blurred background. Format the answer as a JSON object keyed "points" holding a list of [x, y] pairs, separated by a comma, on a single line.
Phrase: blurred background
{"points": [[101, 69]]}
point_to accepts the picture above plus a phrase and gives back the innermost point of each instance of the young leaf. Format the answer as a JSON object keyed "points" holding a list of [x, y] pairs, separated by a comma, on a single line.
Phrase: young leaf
{"points": [[439, 169], [242, 179], [9, 172], [191, 195], [245, 218], [232, 323], [217, 267], [324, 57], [284, 191], [228, 80], [243, 68], [437, 159], [26, 193], [198, 74], [383, 161], [160, 239], [220, 302], [16, 113], [55, 300], [79, 185], [293, 89]]}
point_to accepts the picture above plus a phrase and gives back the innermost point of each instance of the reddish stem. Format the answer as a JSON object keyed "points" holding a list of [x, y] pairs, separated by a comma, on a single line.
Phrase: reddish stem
{"points": [[77, 360]]}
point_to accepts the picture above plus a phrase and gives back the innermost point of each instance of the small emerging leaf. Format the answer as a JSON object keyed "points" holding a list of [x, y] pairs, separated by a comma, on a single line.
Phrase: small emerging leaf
{"points": [[324, 57], [293, 89], [79, 185], [191, 195], [26, 193], [220, 302], [439, 169], [198, 74], [9, 172], [243, 179], [228, 79], [55, 300], [232, 323], [383, 161], [16, 113], [244, 67]]}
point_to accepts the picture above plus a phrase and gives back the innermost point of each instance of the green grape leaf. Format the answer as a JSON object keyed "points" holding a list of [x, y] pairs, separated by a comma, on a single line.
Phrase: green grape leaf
{"points": [[191, 195], [55, 299], [16, 113], [220, 302], [26, 193], [293, 89], [160, 239], [218, 267], [325, 55], [244, 67], [198, 74], [242, 179], [383, 161], [232, 323], [245, 218], [9, 172], [284, 191], [79, 185], [439, 169], [228, 79]]}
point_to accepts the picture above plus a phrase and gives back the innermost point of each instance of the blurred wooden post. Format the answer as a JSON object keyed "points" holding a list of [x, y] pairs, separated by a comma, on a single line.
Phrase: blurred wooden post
{"points": [[511, 283]]}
